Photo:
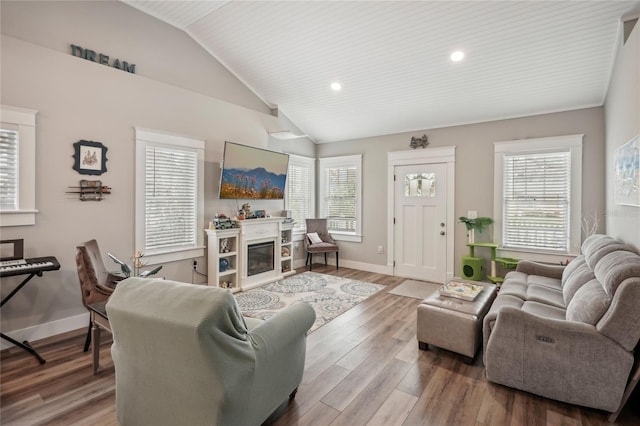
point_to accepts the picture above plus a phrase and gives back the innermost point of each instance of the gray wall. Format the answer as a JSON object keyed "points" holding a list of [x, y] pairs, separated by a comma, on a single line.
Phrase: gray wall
{"points": [[474, 170], [184, 92], [622, 112]]}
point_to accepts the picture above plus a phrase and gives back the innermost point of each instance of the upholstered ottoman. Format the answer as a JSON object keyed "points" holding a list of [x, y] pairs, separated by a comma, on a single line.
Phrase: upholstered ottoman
{"points": [[452, 323]]}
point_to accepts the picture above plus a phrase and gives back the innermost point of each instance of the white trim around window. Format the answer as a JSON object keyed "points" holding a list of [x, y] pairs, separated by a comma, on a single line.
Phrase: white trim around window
{"points": [[169, 157], [22, 124], [332, 171], [572, 146]]}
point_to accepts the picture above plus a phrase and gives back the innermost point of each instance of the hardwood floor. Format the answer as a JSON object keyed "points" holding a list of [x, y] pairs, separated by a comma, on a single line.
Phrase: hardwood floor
{"points": [[364, 367]]}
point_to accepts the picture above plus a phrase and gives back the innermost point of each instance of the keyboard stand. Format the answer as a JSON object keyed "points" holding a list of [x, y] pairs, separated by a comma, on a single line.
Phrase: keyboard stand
{"points": [[24, 345]]}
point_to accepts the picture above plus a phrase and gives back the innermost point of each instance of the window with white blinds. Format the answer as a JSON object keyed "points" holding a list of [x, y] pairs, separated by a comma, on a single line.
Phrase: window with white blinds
{"points": [[17, 166], [8, 169], [170, 199], [341, 195], [536, 201], [538, 194], [301, 190]]}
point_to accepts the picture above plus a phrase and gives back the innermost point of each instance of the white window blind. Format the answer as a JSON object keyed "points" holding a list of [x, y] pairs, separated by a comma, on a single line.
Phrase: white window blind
{"points": [[17, 166], [8, 169], [171, 198], [300, 190], [342, 199], [538, 197], [536, 201]]}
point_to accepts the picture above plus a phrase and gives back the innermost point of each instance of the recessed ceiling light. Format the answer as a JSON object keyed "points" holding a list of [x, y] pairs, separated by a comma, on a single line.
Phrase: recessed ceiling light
{"points": [[336, 86], [457, 56]]}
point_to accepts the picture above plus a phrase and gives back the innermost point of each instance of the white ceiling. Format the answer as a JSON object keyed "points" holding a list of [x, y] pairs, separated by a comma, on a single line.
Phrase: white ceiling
{"points": [[392, 58]]}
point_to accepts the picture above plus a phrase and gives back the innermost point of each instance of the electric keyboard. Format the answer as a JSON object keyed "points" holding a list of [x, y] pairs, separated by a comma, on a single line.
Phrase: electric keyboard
{"points": [[30, 266]]}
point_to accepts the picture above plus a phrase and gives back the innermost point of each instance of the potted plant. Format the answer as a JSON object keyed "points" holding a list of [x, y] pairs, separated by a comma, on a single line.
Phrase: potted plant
{"points": [[473, 224]]}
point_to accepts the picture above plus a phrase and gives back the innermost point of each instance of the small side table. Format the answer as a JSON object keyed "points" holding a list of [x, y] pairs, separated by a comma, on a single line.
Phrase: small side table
{"points": [[100, 320]]}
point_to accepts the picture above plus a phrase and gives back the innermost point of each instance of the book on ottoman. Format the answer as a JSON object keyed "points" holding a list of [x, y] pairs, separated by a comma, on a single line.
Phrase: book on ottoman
{"points": [[465, 290]]}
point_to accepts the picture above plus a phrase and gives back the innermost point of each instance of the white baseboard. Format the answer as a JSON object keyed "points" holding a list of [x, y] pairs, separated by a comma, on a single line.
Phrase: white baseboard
{"points": [[42, 331], [369, 267]]}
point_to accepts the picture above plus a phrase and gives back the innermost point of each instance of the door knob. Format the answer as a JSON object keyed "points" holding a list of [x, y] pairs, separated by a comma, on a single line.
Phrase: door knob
{"points": [[441, 232], [442, 224]]}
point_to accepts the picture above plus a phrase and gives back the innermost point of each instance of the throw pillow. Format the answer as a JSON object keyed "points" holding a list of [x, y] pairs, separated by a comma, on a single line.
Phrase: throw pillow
{"points": [[314, 237]]}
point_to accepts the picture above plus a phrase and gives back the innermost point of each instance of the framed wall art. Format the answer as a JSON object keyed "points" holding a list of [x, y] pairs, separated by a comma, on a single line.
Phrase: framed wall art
{"points": [[90, 158], [627, 173]]}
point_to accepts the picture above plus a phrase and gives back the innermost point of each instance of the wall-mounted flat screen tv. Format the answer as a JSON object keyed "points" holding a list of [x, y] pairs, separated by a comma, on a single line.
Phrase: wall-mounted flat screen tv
{"points": [[252, 173]]}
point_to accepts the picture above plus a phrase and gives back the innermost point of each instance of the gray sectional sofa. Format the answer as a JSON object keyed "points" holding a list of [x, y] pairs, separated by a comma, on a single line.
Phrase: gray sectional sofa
{"points": [[568, 333]]}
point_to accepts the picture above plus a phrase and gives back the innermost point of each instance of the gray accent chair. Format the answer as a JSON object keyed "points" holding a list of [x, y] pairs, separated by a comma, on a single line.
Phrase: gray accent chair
{"points": [[569, 333], [184, 355], [328, 245]]}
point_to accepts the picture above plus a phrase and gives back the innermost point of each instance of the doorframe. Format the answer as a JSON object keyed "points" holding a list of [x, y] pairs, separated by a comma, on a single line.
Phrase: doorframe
{"points": [[445, 155]]}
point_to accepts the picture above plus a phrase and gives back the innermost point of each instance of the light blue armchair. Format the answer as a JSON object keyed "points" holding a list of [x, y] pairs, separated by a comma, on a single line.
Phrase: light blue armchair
{"points": [[185, 355]]}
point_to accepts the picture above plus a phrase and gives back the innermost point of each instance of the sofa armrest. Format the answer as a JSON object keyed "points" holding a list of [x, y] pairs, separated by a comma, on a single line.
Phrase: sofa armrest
{"points": [[284, 327], [559, 359], [534, 268]]}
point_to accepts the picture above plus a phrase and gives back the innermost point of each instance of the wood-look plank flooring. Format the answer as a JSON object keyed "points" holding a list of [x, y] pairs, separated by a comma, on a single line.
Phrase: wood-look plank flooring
{"points": [[362, 368]]}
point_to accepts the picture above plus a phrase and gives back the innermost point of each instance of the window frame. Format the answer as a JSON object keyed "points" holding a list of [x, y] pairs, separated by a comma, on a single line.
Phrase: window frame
{"points": [[324, 164], [309, 163], [24, 122], [569, 143], [143, 139]]}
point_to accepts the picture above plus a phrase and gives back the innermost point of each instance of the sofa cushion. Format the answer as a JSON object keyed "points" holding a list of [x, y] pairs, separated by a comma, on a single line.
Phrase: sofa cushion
{"points": [[548, 282], [514, 288], [516, 276], [615, 268], [572, 266], [543, 294], [544, 310], [596, 247], [579, 275], [588, 304]]}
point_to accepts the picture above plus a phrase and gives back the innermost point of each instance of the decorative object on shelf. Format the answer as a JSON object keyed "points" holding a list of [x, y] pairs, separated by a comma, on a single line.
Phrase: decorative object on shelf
{"points": [[90, 190], [223, 264], [260, 214], [284, 252], [220, 221], [422, 142], [473, 224], [90, 157], [225, 245], [246, 210], [137, 264]]}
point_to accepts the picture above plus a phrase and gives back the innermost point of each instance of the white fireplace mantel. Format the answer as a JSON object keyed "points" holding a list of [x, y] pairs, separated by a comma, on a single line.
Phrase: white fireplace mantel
{"points": [[255, 231]]}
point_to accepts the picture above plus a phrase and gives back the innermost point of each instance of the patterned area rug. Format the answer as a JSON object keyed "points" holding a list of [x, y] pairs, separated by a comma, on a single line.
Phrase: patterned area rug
{"points": [[329, 296]]}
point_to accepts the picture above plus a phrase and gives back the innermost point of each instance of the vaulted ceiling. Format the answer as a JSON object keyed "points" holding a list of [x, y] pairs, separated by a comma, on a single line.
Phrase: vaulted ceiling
{"points": [[392, 58]]}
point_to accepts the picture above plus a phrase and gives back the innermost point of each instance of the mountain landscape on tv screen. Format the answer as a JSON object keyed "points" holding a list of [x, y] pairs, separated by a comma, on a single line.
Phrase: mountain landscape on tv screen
{"points": [[257, 183]]}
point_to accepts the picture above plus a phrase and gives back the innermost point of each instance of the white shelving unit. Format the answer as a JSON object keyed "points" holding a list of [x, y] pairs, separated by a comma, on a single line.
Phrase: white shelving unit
{"points": [[233, 244], [286, 249], [223, 244]]}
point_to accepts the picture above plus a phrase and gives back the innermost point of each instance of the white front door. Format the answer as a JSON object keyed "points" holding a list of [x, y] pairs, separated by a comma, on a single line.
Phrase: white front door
{"points": [[420, 212]]}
